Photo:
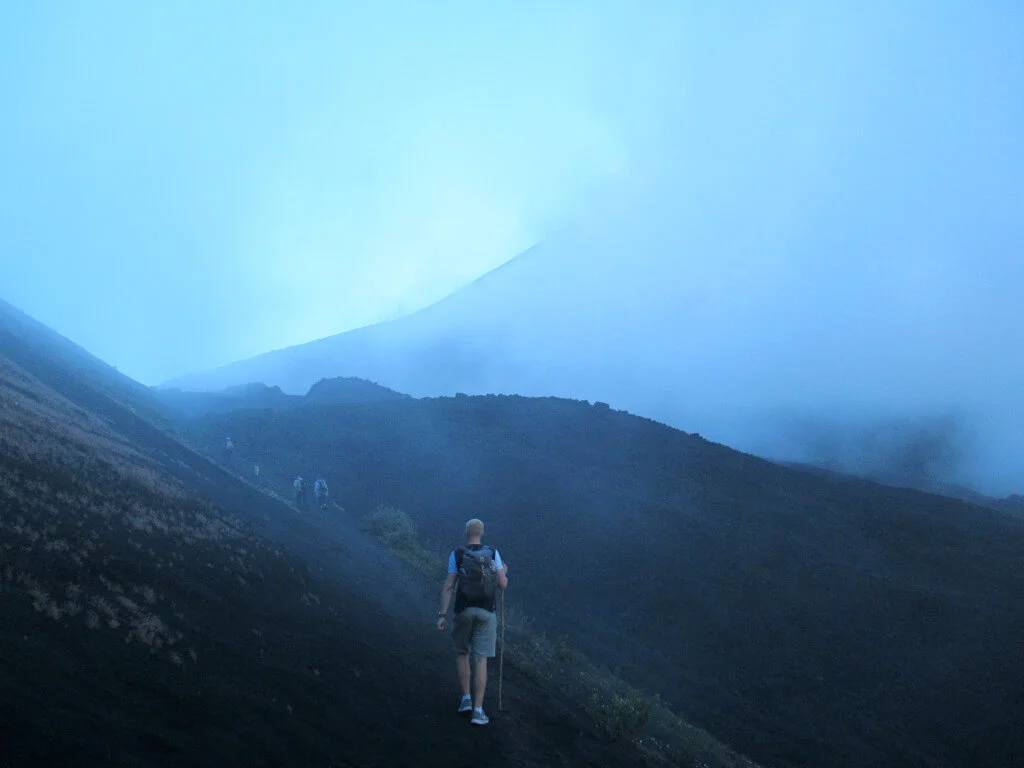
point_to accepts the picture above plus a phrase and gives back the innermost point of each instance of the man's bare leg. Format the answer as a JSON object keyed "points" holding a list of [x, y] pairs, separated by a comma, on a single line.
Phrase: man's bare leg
{"points": [[462, 664], [479, 680]]}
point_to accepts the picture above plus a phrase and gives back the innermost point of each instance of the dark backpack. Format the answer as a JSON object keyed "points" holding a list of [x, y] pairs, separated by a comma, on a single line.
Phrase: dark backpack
{"points": [[478, 575]]}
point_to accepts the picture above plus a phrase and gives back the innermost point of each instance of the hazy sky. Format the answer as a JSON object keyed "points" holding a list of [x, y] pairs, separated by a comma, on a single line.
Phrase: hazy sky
{"points": [[189, 183], [186, 187]]}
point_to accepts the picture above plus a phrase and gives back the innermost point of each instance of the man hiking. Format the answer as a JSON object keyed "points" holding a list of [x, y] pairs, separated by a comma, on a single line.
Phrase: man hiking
{"points": [[320, 492], [299, 486], [480, 574]]}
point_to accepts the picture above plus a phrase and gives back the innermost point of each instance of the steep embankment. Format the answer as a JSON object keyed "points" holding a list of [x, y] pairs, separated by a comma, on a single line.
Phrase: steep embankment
{"points": [[146, 625], [70, 370], [809, 620]]}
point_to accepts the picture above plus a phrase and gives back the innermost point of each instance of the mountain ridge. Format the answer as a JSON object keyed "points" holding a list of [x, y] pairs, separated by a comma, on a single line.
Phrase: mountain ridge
{"points": [[778, 363]]}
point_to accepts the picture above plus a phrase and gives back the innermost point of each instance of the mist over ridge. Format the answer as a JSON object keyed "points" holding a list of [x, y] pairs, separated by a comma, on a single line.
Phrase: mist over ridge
{"points": [[774, 363]]}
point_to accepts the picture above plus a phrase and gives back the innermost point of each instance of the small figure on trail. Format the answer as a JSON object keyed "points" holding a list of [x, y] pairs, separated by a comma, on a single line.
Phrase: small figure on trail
{"points": [[256, 471], [229, 448], [300, 491], [320, 492], [480, 574]]}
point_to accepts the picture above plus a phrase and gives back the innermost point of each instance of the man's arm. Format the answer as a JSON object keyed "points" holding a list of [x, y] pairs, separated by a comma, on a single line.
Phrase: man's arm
{"points": [[502, 570], [446, 591], [446, 598]]}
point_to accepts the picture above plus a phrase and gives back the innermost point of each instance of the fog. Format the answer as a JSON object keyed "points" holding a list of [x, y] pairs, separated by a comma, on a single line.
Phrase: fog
{"points": [[841, 226], [795, 229], [192, 183]]}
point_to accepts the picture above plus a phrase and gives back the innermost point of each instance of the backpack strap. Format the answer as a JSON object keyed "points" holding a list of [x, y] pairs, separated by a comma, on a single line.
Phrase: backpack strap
{"points": [[460, 558]]}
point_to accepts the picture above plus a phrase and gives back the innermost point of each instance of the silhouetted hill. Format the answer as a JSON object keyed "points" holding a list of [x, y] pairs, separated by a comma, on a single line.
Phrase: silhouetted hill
{"points": [[230, 399], [255, 395], [448, 346], [339, 391], [811, 620], [160, 611]]}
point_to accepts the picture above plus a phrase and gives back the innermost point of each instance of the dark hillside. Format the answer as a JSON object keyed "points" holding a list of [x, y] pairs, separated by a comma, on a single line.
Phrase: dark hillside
{"points": [[1013, 504], [808, 620], [35, 347], [144, 625]]}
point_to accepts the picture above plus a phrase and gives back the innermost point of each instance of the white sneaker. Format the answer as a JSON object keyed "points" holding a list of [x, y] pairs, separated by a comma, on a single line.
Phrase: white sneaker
{"points": [[466, 704], [479, 718]]}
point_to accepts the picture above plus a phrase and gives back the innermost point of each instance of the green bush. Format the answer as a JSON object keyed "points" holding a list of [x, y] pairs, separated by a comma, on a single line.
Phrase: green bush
{"points": [[393, 527], [397, 531]]}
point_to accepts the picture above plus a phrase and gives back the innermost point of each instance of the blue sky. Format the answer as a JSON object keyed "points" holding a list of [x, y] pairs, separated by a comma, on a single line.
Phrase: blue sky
{"points": [[188, 185]]}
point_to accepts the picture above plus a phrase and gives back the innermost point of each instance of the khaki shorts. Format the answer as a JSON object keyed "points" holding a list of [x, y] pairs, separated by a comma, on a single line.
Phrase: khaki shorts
{"points": [[476, 632]]}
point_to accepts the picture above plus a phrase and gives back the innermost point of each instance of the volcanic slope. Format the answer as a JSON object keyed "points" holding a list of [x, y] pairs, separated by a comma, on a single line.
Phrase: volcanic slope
{"points": [[160, 611], [711, 344], [809, 620]]}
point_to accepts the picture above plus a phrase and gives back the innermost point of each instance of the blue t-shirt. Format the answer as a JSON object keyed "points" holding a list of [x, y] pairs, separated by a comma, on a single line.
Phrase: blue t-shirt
{"points": [[460, 601], [453, 569]]}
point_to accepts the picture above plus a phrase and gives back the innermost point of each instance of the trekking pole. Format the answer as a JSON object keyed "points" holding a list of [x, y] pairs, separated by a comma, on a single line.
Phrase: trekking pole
{"points": [[501, 661]]}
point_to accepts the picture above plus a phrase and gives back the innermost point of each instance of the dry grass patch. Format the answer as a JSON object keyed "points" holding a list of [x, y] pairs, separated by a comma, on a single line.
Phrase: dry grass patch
{"points": [[70, 492]]}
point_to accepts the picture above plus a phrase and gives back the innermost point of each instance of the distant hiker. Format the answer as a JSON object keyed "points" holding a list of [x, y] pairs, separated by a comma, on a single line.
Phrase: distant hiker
{"points": [[229, 448], [256, 471], [480, 574], [320, 492], [300, 491]]}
